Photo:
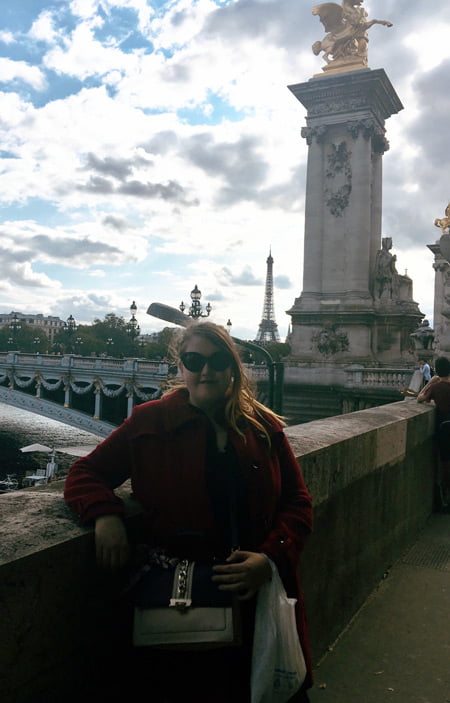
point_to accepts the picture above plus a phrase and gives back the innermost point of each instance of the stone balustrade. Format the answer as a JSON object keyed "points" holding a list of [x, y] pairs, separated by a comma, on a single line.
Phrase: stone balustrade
{"points": [[73, 362], [64, 625], [378, 377]]}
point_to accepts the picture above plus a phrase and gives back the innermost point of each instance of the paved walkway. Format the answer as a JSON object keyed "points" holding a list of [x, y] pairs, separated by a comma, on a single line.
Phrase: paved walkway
{"points": [[397, 648]]}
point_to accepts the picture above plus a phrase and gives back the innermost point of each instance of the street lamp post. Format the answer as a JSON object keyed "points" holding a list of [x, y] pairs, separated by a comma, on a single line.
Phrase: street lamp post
{"points": [[196, 309], [14, 326], [133, 328], [71, 328]]}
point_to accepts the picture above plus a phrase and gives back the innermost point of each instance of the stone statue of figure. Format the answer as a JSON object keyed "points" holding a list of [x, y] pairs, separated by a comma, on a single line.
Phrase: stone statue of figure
{"points": [[444, 222], [423, 336], [386, 274], [346, 26]]}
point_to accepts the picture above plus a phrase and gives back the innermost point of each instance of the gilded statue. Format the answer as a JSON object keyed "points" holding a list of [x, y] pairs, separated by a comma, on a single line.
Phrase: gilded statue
{"points": [[345, 44], [444, 222]]}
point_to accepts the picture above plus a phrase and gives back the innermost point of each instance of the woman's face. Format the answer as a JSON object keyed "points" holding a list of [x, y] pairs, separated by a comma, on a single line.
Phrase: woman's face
{"points": [[208, 386]]}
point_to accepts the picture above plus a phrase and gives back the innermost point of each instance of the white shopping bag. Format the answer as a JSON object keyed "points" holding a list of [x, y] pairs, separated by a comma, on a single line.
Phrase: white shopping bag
{"points": [[278, 665]]}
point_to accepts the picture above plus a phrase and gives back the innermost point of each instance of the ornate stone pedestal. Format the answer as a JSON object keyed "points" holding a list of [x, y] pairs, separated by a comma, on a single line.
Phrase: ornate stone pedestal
{"points": [[355, 307]]}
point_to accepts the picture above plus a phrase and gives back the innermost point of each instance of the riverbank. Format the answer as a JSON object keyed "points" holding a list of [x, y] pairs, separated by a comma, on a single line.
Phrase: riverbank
{"points": [[19, 428]]}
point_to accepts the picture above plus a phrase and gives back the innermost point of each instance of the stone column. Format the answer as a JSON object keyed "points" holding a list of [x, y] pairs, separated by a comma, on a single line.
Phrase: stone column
{"points": [[98, 401], [313, 244], [67, 395], [130, 402], [336, 319], [441, 313]]}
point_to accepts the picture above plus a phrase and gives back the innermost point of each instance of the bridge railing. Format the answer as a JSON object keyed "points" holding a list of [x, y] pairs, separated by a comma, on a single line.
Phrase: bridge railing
{"points": [[378, 377], [72, 361]]}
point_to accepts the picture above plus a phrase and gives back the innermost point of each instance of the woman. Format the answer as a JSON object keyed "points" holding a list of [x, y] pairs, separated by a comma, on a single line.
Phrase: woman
{"points": [[179, 452], [438, 390]]}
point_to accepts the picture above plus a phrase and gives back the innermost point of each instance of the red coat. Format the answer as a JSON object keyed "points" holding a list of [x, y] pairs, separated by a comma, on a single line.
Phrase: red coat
{"points": [[162, 447]]}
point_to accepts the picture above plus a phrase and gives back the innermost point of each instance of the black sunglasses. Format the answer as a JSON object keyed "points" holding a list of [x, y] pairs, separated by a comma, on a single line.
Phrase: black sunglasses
{"points": [[193, 361]]}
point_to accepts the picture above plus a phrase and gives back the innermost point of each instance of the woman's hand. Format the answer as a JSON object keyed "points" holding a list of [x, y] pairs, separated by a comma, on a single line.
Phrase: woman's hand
{"points": [[243, 574], [111, 542]]}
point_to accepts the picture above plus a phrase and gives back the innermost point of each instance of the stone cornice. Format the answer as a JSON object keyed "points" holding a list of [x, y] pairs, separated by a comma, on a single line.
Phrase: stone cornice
{"points": [[364, 92]]}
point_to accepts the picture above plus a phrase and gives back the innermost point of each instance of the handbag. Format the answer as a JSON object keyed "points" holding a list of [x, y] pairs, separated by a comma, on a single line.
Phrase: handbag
{"points": [[180, 607]]}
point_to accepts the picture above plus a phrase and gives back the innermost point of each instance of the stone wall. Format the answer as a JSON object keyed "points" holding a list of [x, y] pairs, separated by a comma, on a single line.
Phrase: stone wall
{"points": [[64, 623]]}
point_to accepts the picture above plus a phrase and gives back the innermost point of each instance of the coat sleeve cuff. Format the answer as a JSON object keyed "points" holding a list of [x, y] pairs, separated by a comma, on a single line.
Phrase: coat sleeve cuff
{"points": [[90, 515]]}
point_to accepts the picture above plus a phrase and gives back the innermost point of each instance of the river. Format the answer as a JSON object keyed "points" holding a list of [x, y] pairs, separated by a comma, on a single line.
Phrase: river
{"points": [[19, 428]]}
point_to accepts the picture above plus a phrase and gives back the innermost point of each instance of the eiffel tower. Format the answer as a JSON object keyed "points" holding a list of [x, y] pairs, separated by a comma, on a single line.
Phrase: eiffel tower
{"points": [[268, 329]]}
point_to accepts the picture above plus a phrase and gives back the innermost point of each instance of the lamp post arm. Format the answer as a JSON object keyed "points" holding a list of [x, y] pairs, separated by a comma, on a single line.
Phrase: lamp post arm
{"points": [[270, 367]]}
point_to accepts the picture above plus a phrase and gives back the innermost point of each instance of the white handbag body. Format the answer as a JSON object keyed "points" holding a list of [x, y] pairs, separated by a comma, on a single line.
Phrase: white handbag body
{"points": [[180, 622]]}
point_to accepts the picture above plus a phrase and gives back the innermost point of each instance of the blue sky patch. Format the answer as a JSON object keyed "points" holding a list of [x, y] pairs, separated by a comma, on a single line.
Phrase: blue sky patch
{"points": [[119, 22], [134, 41], [19, 15], [35, 209], [7, 155], [202, 114]]}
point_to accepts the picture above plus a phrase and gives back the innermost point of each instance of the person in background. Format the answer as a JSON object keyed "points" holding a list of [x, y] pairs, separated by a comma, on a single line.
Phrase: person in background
{"points": [[425, 370], [438, 391], [178, 451]]}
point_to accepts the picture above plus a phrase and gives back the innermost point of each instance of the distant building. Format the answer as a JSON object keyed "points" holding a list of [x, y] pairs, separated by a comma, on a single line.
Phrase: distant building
{"points": [[49, 324], [150, 337]]}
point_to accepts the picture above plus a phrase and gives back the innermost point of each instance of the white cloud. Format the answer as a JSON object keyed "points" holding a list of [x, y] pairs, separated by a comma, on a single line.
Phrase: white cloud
{"points": [[20, 70], [7, 37], [43, 28]]}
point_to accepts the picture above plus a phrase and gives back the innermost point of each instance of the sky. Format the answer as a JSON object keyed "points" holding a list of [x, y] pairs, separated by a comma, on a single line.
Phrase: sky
{"points": [[148, 146]]}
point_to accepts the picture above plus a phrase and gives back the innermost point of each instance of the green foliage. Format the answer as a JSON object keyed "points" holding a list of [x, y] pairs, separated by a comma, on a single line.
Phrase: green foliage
{"points": [[28, 339], [107, 337], [278, 350]]}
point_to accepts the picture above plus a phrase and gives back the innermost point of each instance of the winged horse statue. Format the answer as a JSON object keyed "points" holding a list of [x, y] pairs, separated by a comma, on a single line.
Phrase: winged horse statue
{"points": [[346, 26]]}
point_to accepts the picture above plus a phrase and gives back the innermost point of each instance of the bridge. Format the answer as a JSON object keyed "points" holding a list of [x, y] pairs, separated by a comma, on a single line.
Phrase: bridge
{"points": [[372, 477], [90, 393], [97, 394]]}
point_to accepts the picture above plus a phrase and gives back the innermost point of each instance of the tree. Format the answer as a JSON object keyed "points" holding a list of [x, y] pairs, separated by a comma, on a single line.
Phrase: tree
{"points": [[24, 339], [278, 350]]}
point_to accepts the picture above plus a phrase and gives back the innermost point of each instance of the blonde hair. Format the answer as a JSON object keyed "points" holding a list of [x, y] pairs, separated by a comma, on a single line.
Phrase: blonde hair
{"points": [[241, 403]]}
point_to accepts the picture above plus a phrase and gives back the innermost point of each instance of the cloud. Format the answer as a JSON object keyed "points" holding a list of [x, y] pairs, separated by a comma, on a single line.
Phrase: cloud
{"points": [[21, 71], [117, 223], [16, 269], [239, 164], [172, 191], [245, 278], [162, 142], [282, 282], [109, 166], [97, 185], [43, 29], [278, 22], [68, 248]]}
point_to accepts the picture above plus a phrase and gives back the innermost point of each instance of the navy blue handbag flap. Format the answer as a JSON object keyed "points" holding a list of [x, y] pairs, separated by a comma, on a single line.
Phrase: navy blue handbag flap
{"points": [[154, 588]]}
